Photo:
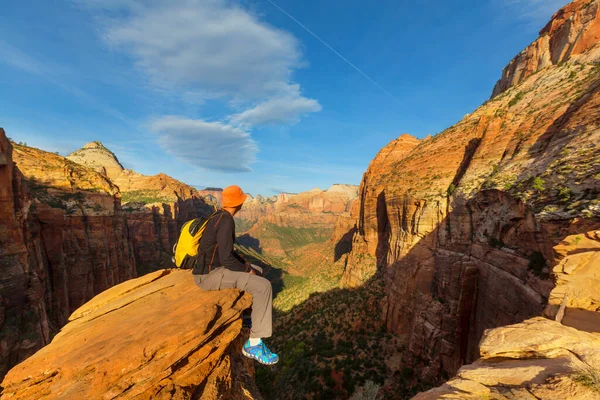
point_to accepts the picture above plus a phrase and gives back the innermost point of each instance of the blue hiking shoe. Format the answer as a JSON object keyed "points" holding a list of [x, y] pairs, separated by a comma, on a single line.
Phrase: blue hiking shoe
{"points": [[260, 353]]}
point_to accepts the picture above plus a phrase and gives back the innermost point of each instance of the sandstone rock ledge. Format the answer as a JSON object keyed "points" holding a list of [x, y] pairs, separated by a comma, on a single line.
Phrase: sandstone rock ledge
{"points": [[535, 359], [155, 337]]}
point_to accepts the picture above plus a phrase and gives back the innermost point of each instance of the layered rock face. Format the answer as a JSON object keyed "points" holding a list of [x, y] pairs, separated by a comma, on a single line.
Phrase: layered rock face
{"points": [[68, 238], [463, 224], [155, 337], [555, 358], [316, 213], [571, 35], [156, 206], [63, 240], [535, 359], [214, 195]]}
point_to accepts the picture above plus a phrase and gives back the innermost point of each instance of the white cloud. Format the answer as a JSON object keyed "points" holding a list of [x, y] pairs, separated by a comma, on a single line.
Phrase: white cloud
{"points": [[209, 50], [279, 110], [210, 145], [211, 45]]}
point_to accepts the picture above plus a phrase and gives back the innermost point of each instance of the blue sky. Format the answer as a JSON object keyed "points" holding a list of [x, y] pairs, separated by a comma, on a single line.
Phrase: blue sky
{"points": [[273, 95]]}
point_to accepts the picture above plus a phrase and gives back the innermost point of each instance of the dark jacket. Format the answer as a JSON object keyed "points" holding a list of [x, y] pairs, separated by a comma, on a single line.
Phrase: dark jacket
{"points": [[216, 246]]}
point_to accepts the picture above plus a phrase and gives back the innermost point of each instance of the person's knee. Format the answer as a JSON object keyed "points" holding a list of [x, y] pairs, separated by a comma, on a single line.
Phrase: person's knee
{"points": [[263, 285]]}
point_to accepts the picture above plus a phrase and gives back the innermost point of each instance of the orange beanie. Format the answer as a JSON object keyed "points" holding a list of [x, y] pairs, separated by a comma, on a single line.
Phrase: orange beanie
{"points": [[233, 196]]}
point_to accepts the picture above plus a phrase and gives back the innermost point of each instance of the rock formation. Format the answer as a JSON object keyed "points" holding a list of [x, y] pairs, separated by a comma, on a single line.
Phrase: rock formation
{"points": [[98, 158], [62, 241], [155, 337], [214, 195], [463, 224], [571, 35], [156, 206], [541, 358], [535, 359], [66, 238], [316, 210]]}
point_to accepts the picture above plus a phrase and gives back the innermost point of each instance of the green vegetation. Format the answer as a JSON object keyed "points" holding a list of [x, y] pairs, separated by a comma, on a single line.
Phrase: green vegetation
{"points": [[291, 237], [144, 196], [243, 225], [516, 99], [589, 378], [334, 345], [572, 75], [451, 189], [538, 184], [564, 194]]}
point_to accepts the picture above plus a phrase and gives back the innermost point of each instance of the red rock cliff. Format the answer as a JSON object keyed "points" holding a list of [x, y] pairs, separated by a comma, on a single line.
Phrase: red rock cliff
{"points": [[463, 224], [155, 206], [571, 35], [62, 241], [66, 238]]}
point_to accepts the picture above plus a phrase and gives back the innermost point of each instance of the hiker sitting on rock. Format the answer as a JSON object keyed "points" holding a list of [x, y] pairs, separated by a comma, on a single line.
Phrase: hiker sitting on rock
{"points": [[219, 267]]}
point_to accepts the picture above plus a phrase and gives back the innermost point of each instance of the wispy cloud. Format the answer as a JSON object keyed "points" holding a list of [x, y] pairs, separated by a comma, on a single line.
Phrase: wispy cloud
{"points": [[210, 145], [17, 58], [538, 11], [212, 46], [209, 50], [280, 110]]}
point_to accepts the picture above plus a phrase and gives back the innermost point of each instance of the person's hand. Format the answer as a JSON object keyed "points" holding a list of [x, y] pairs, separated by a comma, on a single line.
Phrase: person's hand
{"points": [[252, 272], [257, 270]]}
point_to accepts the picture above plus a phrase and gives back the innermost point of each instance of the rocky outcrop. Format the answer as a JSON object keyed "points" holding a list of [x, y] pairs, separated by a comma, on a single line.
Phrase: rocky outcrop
{"points": [[135, 188], [577, 274], [98, 158], [540, 358], [293, 220], [156, 206], [463, 224], [572, 35], [62, 241], [155, 337], [535, 359], [256, 207], [215, 195], [66, 238]]}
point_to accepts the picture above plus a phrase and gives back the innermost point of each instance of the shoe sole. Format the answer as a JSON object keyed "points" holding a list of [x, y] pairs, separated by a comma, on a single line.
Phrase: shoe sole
{"points": [[255, 358]]}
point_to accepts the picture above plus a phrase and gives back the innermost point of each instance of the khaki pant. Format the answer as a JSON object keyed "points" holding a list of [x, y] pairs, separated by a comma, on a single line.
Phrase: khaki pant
{"points": [[260, 288]]}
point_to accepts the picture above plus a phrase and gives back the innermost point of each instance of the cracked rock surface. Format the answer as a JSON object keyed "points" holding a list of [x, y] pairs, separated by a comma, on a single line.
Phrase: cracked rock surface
{"points": [[155, 337]]}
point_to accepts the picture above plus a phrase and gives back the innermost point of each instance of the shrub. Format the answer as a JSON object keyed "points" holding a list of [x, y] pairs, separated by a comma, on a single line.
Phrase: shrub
{"points": [[516, 99], [564, 194], [588, 377], [451, 189], [538, 184]]}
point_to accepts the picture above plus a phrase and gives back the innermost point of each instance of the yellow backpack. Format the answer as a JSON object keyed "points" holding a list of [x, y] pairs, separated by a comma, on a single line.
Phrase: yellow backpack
{"points": [[186, 248]]}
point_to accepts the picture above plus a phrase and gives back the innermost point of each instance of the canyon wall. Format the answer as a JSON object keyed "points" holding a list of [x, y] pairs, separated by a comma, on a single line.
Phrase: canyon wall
{"points": [[65, 236], [463, 224], [572, 35], [155, 206], [57, 253]]}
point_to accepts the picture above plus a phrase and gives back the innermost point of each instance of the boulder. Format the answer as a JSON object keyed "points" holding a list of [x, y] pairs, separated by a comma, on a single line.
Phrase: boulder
{"points": [[155, 337]]}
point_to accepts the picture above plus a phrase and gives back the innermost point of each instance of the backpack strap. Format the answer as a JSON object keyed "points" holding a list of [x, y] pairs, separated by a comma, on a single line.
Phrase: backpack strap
{"points": [[216, 245]]}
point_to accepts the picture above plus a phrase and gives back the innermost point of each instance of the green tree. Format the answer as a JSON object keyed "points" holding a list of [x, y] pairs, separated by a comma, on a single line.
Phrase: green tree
{"points": [[538, 184]]}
